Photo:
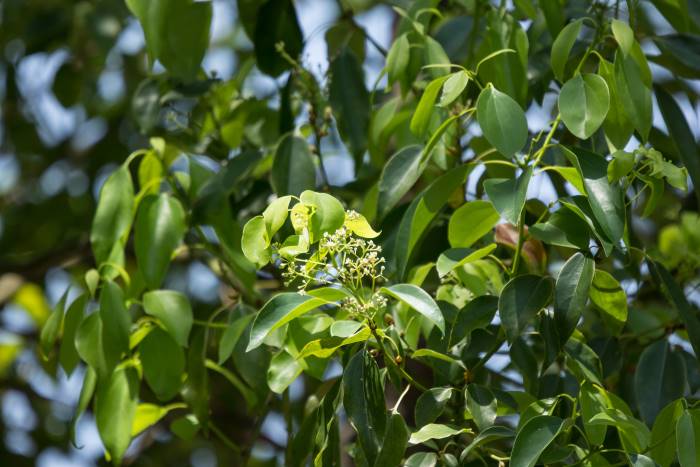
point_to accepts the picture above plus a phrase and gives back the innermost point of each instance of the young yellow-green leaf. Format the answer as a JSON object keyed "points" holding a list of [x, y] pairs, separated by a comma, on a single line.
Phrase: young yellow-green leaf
{"points": [[561, 47], [275, 215], [419, 300], [148, 415], [688, 438], [357, 224], [163, 363], [325, 347], [328, 214], [502, 120], [293, 169], [284, 307], [520, 300], [115, 210], [606, 199], [174, 311], [255, 241], [160, 226], [455, 84], [607, 294], [456, 257], [115, 408], [426, 106], [435, 431], [470, 222], [623, 35], [508, 196], [116, 321], [533, 438], [481, 404], [659, 379], [571, 293], [583, 104], [399, 174]]}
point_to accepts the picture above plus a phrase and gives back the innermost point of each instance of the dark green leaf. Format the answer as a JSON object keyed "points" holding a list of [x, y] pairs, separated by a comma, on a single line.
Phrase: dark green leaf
{"points": [[68, 355], [431, 404], [116, 322], [481, 404], [398, 176], [521, 299], [663, 434], [502, 121], [276, 22], [571, 293], [634, 95], [395, 442], [688, 438], [533, 438], [115, 408], [660, 378], [163, 363], [508, 195], [293, 169]]}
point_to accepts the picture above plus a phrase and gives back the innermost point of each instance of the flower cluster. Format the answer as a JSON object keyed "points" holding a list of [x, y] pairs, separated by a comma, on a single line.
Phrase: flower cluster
{"points": [[376, 304]]}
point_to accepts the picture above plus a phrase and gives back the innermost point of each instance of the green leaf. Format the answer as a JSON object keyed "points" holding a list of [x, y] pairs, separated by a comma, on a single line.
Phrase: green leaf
{"points": [[431, 404], [435, 431], [470, 222], [276, 22], [284, 307], [607, 294], [426, 106], [682, 138], [592, 401], [430, 353], [231, 335], [561, 47], [358, 224], [581, 208], [620, 166], [633, 94], [623, 35], [86, 392], [115, 409], [659, 379], [325, 347], [583, 362], [148, 415], [663, 434], [328, 215], [456, 257], [583, 103], [275, 214], [350, 101], [116, 322], [571, 293], [52, 327], [618, 126], [160, 226], [492, 433], [508, 195], [422, 459], [633, 433], [398, 176], [481, 404], [421, 212], [68, 355], [88, 343], [477, 314], [282, 372], [163, 363], [455, 84], [521, 299], [563, 228], [397, 58], [688, 438], [395, 442], [533, 438], [419, 300], [606, 199], [115, 210], [363, 400], [293, 169], [174, 311], [502, 121], [570, 174], [255, 241]]}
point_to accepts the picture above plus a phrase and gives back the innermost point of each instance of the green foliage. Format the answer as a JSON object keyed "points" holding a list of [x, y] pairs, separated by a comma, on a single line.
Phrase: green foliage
{"points": [[489, 287]]}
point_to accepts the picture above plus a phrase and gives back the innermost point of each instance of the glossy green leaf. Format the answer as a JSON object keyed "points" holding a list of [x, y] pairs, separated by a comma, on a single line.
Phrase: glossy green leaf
{"points": [[502, 120], [325, 347], [231, 336], [563, 228], [477, 314], [163, 363], [456, 257], [255, 241], [422, 459], [350, 101], [159, 228], [481, 404], [284, 307], [293, 169], [606, 199], [115, 210], [617, 125], [571, 293], [592, 401], [398, 176], [363, 400], [89, 345], [521, 299], [116, 321], [533, 438], [435, 431], [583, 104], [621, 165], [688, 438], [115, 408], [623, 35], [419, 300], [492, 433], [634, 95], [659, 379], [607, 294], [431, 404], [426, 106], [282, 372], [328, 214], [148, 415], [68, 355], [453, 87], [470, 222], [174, 311], [561, 47], [276, 22], [508, 195]]}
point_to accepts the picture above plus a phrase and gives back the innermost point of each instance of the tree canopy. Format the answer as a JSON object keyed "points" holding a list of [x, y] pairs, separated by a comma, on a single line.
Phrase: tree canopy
{"points": [[403, 233]]}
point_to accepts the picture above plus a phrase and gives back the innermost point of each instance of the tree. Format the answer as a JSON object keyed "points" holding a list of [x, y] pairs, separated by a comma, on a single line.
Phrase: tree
{"points": [[509, 276]]}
